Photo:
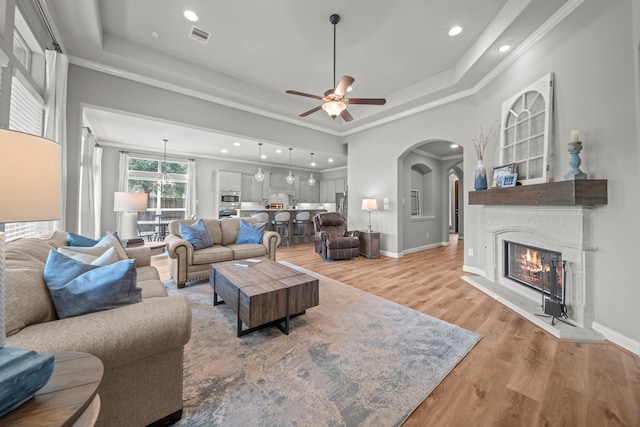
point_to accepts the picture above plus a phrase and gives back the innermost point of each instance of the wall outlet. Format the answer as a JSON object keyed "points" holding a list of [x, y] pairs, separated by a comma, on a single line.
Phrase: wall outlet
{"points": [[470, 252]]}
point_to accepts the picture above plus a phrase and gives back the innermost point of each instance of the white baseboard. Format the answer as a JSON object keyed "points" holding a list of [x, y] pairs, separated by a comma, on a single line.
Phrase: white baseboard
{"points": [[423, 248], [391, 254], [474, 270], [617, 338]]}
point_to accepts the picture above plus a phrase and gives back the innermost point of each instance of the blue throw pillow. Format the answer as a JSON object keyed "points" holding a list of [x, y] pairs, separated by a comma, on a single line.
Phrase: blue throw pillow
{"points": [[78, 240], [78, 288], [86, 242], [197, 234], [250, 233]]}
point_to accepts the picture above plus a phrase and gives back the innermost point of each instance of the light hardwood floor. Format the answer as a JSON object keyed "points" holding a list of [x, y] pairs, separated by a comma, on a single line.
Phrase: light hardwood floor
{"points": [[517, 375]]}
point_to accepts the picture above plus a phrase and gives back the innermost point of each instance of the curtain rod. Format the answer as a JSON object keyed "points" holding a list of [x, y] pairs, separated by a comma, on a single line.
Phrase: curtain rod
{"points": [[43, 15]]}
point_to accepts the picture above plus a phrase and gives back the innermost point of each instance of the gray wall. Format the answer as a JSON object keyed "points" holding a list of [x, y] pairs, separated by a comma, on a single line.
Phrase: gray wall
{"points": [[93, 88], [592, 55]]}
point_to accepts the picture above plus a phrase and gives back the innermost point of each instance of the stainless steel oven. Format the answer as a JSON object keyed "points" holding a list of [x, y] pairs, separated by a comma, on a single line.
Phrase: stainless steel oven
{"points": [[229, 197]]}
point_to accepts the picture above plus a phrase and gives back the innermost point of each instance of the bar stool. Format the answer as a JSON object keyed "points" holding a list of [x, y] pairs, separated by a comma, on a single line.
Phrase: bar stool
{"points": [[281, 226], [262, 216], [302, 226]]}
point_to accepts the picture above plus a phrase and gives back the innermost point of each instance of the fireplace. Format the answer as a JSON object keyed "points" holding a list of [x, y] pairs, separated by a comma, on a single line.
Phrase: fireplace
{"points": [[563, 234], [537, 268]]}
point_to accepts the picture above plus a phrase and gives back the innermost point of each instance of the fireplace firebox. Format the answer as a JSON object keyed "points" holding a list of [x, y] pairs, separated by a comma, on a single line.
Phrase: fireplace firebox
{"points": [[540, 269]]}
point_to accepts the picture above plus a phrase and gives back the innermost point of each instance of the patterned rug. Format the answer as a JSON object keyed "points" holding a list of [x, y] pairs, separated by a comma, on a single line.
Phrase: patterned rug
{"points": [[354, 360]]}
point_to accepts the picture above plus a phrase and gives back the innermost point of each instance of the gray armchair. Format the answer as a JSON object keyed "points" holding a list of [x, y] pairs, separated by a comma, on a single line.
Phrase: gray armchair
{"points": [[333, 241]]}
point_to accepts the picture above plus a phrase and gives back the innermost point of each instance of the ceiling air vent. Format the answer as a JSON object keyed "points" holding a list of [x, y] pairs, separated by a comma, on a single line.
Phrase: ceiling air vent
{"points": [[200, 35]]}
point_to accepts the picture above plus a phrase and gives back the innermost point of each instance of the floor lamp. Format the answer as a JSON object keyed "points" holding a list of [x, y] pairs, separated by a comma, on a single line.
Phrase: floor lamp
{"points": [[130, 204], [30, 190], [369, 205]]}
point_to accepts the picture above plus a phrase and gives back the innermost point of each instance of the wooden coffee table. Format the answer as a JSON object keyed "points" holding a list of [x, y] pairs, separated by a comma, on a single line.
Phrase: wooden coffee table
{"points": [[263, 293]]}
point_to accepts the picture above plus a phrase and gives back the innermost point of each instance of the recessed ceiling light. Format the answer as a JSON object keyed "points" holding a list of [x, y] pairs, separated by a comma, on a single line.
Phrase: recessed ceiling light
{"points": [[155, 35], [454, 31], [190, 15], [330, 160], [264, 156], [237, 144], [224, 150], [313, 163], [504, 48], [278, 151], [454, 145]]}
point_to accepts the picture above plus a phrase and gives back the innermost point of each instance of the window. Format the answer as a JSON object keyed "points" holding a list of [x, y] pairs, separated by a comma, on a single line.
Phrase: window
{"points": [[415, 203], [526, 126], [168, 200], [21, 50]]}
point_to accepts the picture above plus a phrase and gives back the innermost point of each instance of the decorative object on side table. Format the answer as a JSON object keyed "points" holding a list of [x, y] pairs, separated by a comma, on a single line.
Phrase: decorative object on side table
{"points": [[129, 204], [480, 143], [30, 190], [369, 205], [575, 146]]}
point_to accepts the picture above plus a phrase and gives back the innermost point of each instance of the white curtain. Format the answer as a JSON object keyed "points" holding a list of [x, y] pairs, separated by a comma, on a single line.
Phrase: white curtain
{"points": [[90, 192], [55, 113], [123, 185], [191, 189]]}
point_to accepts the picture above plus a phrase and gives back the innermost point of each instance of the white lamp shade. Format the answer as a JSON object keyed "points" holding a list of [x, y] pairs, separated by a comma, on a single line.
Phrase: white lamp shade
{"points": [[369, 204], [30, 178], [129, 202]]}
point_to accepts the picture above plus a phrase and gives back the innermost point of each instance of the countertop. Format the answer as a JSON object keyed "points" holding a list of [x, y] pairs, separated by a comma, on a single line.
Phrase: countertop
{"points": [[278, 210]]}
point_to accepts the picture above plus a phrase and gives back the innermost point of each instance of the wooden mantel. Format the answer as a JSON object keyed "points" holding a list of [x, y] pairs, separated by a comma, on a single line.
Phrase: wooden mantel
{"points": [[586, 192]]}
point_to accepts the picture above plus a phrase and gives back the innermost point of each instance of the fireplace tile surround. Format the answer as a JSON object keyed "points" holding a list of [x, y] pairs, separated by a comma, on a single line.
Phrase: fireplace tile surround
{"points": [[567, 230]]}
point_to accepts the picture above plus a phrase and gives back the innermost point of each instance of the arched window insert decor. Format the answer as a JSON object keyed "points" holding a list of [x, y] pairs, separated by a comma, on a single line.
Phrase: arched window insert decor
{"points": [[526, 131]]}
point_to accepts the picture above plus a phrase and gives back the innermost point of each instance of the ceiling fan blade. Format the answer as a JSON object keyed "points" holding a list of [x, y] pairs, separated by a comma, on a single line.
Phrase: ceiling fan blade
{"points": [[313, 110], [308, 95], [346, 115], [369, 101], [344, 84]]}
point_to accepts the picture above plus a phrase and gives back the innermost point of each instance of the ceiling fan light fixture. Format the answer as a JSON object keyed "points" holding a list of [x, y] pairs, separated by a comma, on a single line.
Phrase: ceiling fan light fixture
{"points": [[334, 108]]}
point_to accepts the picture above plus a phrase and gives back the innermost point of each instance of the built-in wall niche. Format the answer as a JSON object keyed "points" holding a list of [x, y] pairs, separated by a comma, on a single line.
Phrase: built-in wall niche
{"points": [[422, 191]]}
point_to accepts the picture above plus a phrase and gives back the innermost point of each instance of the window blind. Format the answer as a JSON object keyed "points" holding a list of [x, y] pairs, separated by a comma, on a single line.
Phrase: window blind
{"points": [[26, 112]]}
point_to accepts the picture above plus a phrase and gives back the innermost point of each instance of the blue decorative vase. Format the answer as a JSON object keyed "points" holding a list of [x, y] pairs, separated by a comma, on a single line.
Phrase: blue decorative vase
{"points": [[480, 182]]}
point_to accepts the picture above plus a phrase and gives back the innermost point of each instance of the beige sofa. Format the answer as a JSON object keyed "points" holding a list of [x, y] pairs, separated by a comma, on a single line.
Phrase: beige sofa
{"points": [[186, 264], [141, 345]]}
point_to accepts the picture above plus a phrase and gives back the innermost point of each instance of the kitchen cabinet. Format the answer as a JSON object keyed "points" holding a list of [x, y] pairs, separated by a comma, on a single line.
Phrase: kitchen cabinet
{"points": [[309, 193], [329, 188], [229, 181], [341, 185], [245, 192], [252, 190]]}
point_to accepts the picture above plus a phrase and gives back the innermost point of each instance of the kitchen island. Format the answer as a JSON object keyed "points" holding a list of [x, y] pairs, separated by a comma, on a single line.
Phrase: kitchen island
{"points": [[292, 212]]}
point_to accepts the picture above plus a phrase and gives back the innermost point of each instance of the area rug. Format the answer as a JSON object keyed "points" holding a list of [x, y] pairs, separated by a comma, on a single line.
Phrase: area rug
{"points": [[354, 360]]}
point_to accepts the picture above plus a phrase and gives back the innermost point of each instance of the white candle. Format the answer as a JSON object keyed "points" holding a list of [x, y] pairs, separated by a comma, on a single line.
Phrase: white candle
{"points": [[575, 135]]}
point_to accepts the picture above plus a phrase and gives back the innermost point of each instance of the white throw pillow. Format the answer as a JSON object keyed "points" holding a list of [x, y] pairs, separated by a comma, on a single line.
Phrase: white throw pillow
{"points": [[108, 256], [109, 241]]}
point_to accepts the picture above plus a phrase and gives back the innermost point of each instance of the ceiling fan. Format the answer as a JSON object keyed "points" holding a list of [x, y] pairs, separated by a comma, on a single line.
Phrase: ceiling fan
{"points": [[335, 104]]}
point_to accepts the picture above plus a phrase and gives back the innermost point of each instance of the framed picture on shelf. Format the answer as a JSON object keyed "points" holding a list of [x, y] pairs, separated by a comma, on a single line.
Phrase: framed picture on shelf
{"points": [[509, 180], [499, 173]]}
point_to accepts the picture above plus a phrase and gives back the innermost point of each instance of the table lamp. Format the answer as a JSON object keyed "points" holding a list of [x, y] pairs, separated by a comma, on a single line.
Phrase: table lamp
{"points": [[30, 190], [130, 204], [369, 205]]}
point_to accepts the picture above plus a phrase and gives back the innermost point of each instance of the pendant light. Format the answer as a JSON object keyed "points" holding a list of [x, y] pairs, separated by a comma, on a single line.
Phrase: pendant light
{"points": [[164, 179], [259, 176], [290, 178], [311, 180]]}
